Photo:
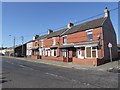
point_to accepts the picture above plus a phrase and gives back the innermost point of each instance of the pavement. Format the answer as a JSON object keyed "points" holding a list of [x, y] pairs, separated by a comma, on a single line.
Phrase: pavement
{"points": [[104, 67]]}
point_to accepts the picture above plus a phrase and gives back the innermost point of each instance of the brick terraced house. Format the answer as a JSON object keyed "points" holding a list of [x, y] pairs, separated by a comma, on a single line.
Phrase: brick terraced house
{"points": [[86, 43]]}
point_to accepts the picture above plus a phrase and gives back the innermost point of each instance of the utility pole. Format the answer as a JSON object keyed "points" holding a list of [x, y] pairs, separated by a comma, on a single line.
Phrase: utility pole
{"points": [[14, 46], [22, 45]]}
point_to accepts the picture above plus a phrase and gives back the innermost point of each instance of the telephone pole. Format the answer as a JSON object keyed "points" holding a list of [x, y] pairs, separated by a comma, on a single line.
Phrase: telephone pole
{"points": [[22, 38], [13, 45]]}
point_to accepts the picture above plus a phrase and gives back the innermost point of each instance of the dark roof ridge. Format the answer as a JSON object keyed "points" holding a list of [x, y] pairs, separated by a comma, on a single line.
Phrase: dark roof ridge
{"points": [[86, 25]]}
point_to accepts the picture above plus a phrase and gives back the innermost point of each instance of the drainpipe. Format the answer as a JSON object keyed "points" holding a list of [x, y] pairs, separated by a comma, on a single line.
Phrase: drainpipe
{"points": [[59, 45]]}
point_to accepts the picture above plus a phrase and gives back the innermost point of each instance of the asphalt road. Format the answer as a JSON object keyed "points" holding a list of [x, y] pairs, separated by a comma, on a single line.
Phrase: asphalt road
{"points": [[24, 74]]}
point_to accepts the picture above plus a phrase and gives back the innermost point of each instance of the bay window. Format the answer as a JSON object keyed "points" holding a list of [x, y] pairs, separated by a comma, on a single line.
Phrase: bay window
{"points": [[91, 52]]}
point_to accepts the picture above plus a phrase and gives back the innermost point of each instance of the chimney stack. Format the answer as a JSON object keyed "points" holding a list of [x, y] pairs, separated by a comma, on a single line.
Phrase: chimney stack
{"points": [[49, 31], [35, 37], [70, 25], [106, 11]]}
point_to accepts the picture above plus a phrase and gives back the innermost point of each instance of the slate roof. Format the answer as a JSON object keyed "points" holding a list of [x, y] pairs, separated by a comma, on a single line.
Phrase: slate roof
{"points": [[56, 33], [42, 37], [87, 25], [77, 28], [30, 41]]}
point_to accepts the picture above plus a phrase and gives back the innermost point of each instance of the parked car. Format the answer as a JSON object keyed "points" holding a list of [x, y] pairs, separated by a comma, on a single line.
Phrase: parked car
{"points": [[12, 54], [1, 54], [16, 55]]}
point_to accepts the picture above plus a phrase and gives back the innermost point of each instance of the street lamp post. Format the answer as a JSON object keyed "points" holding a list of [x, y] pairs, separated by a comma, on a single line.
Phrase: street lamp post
{"points": [[22, 45], [13, 45]]}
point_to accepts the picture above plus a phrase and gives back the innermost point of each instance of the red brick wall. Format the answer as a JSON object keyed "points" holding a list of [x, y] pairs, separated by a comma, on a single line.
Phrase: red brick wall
{"points": [[77, 37], [48, 42], [92, 62], [52, 58], [82, 36], [61, 40], [40, 43]]}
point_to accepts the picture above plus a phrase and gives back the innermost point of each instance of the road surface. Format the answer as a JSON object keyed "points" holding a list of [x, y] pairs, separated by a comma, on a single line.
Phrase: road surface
{"points": [[23, 74]]}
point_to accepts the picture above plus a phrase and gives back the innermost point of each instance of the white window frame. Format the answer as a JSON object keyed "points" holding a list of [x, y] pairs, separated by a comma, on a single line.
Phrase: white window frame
{"points": [[54, 40], [48, 52], [89, 31], [52, 54], [65, 53], [80, 56], [43, 52], [63, 39], [96, 52], [91, 52]]}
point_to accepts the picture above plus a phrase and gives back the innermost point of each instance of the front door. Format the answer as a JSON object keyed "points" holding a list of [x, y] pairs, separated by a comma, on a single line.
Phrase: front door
{"points": [[65, 55], [79, 53]]}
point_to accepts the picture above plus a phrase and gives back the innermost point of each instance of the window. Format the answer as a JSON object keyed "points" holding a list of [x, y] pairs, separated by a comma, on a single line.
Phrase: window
{"points": [[88, 51], [54, 52], [65, 40], [74, 53], [54, 42], [90, 36], [43, 52], [91, 52], [94, 51], [64, 52], [48, 52]]}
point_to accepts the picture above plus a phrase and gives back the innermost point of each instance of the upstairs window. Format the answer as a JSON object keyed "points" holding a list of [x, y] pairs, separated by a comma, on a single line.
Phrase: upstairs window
{"points": [[90, 36], [54, 40], [42, 43], [65, 40]]}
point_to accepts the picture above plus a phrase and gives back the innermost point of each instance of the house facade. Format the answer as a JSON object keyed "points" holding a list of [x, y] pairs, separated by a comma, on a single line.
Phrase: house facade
{"points": [[29, 48], [86, 43], [20, 50]]}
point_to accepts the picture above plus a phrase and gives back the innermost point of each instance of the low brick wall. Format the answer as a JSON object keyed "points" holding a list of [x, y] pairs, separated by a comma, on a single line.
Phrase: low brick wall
{"points": [[100, 62], [35, 57], [52, 58], [92, 62]]}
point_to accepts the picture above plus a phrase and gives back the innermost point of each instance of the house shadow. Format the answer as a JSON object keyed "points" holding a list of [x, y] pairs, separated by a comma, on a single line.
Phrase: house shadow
{"points": [[3, 80]]}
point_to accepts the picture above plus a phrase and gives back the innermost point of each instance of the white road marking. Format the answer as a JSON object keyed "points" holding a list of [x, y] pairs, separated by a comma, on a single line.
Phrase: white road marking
{"points": [[21, 65], [26, 67]]}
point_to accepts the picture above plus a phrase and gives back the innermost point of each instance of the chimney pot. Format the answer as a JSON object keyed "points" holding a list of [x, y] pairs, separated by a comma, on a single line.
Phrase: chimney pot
{"points": [[50, 31], [106, 11], [70, 25]]}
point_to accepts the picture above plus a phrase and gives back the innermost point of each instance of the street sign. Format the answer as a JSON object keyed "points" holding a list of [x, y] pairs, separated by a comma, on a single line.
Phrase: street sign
{"points": [[109, 45]]}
